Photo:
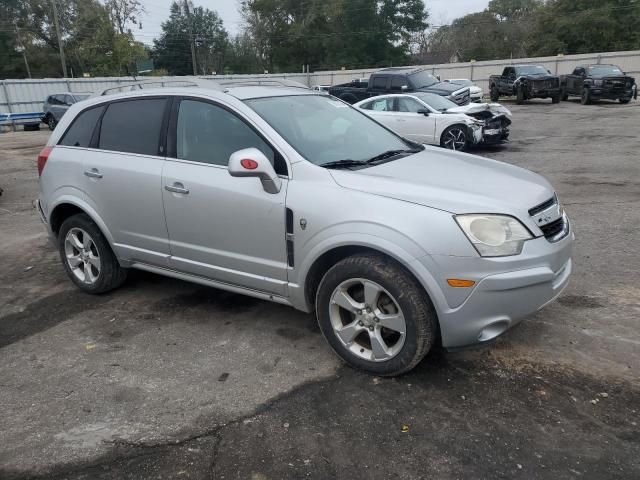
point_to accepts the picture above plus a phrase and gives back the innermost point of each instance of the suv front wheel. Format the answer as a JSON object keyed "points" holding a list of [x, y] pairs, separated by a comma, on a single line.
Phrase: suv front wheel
{"points": [[375, 315], [87, 256]]}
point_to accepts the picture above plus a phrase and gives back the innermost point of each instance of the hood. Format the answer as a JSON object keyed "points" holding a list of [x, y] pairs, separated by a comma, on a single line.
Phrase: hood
{"points": [[442, 88], [454, 182], [472, 108]]}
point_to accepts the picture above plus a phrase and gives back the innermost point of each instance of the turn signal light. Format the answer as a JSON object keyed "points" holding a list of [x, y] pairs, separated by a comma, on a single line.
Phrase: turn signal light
{"points": [[249, 164], [457, 283]]}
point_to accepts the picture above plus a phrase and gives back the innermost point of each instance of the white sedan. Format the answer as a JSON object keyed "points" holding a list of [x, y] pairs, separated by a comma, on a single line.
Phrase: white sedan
{"points": [[412, 117]]}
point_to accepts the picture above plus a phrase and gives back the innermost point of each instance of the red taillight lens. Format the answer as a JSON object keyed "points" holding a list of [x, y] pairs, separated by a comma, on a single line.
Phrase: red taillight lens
{"points": [[42, 159]]}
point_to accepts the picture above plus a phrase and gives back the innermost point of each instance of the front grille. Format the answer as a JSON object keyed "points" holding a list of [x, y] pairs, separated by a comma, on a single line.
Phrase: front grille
{"points": [[542, 207], [461, 98], [542, 84], [553, 229]]}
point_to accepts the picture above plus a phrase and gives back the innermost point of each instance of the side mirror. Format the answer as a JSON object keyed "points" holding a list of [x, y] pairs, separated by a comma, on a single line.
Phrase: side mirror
{"points": [[424, 112], [251, 162]]}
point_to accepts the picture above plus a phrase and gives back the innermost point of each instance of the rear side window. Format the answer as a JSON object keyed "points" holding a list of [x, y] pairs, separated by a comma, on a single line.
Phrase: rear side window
{"points": [[380, 82], [81, 130], [133, 126]]}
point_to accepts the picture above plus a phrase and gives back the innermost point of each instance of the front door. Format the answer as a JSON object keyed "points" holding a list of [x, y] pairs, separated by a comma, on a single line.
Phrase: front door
{"points": [[222, 227], [411, 124]]}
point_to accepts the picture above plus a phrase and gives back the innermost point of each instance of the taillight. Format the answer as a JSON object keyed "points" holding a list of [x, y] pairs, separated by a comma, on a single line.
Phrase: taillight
{"points": [[42, 159]]}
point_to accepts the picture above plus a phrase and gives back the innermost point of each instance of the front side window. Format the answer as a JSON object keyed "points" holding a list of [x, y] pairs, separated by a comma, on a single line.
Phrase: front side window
{"points": [[133, 126], [323, 130], [409, 105], [397, 83], [81, 130], [210, 134]]}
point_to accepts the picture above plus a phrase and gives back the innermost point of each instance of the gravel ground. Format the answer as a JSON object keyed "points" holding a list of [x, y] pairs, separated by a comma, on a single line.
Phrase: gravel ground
{"points": [[164, 379]]}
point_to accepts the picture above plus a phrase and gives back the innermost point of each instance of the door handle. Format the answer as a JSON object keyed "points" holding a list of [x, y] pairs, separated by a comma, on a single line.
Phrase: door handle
{"points": [[93, 173], [177, 188]]}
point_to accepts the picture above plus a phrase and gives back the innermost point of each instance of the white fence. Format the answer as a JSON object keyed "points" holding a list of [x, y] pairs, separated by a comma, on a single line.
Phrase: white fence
{"points": [[22, 96]]}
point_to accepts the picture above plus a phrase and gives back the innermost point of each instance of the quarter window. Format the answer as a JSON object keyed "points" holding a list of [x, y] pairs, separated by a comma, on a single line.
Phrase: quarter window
{"points": [[210, 134], [133, 126], [81, 130]]}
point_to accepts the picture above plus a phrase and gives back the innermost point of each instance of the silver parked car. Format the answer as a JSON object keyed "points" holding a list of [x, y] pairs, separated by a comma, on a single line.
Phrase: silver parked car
{"points": [[56, 105], [293, 196]]}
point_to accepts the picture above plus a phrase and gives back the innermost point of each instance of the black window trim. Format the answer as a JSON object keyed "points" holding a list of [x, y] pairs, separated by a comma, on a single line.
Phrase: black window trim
{"points": [[171, 134], [161, 145]]}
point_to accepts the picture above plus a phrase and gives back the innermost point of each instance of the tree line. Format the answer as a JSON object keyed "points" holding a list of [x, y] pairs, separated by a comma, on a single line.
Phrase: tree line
{"points": [[99, 37]]}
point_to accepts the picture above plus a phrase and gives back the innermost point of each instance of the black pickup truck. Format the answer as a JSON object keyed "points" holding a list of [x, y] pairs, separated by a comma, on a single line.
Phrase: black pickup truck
{"points": [[525, 82], [400, 80], [593, 82]]}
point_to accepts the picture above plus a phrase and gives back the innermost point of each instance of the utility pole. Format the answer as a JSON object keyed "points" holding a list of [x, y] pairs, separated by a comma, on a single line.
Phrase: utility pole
{"points": [[193, 47], [57, 24], [24, 50]]}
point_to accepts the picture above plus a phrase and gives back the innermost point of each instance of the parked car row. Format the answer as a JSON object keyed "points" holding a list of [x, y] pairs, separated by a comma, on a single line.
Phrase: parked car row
{"points": [[293, 196], [589, 82]]}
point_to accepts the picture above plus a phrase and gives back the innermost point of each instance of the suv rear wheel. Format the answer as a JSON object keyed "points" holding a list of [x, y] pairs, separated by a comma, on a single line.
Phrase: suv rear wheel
{"points": [[87, 256], [375, 316]]}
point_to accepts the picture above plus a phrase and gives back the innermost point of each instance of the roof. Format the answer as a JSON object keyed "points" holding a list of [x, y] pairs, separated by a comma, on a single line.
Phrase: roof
{"points": [[245, 93], [401, 70]]}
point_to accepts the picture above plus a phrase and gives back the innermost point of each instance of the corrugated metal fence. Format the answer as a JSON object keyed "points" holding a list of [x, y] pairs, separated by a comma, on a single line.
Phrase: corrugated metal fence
{"points": [[22, 96]]}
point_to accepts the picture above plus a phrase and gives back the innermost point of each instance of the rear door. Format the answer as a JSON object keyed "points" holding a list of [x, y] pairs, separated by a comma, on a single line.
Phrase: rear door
{"points": [[411, 124], [123, 174], [221, 227]]}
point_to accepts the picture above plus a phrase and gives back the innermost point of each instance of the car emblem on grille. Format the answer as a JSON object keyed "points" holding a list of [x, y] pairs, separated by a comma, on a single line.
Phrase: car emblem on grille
{"points": [[547, 216]]}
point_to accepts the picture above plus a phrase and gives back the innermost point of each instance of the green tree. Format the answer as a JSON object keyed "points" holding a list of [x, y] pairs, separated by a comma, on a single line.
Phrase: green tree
{"points": [[172, 50]]}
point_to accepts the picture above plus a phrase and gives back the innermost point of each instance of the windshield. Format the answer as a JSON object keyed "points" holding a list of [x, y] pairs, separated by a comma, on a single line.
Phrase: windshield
{"points": [[423, 79], [323, 129], [604, 70], [464, 83], [81, 96], [437, 102], [532, 70]]}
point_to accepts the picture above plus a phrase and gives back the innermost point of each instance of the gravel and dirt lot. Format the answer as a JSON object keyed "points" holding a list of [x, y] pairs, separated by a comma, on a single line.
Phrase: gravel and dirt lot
{"points": [[163, 379]]}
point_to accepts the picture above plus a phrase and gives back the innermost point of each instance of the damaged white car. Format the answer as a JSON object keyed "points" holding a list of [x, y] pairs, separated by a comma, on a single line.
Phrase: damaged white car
{"points": [[432, 119]]}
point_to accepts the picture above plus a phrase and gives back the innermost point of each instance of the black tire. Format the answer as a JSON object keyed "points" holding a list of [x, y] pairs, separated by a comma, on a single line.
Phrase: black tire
{"points": [[417, 309], [111, 274], [463, 130], [624, 101], [51, 122], [520, 95], [586, 97], [564, 95], [494, 94], [556, 98]]}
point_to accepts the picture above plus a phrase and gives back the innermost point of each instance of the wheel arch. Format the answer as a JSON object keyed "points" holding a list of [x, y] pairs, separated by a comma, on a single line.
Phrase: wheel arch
{"points": [[67, 207]]}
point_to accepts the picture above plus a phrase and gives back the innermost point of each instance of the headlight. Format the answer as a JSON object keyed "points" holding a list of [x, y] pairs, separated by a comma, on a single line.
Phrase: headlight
{"points": [[494, 235], [597, 83]]}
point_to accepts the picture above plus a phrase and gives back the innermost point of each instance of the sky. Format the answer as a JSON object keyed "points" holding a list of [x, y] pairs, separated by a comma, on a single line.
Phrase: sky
{"points": [[441, 12]]}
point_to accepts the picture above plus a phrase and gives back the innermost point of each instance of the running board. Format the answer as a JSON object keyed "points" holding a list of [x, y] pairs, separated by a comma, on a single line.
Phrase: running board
{"points": [[211, 283]]}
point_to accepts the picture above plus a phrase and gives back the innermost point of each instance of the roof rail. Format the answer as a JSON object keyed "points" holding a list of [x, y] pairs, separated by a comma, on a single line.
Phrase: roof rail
{"points": [[149, 84], [254, 82]]}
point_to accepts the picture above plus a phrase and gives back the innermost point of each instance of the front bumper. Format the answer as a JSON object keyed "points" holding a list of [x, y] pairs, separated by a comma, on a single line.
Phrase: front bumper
{"points": [[507, 290], [544, 92], [597, 93]]}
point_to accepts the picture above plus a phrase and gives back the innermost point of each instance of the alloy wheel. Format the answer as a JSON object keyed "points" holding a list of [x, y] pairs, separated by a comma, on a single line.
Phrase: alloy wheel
{"points": [[367, 320], [455, 139], [82, 255]]}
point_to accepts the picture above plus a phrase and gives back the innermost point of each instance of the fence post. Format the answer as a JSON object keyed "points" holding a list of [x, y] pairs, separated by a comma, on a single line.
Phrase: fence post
{"points": [[6, 96], [471, 76]]}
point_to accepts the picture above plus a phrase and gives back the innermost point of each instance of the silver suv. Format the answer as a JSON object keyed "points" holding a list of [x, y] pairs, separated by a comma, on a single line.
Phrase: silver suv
{"points": [[293, 196], [56, 105]]}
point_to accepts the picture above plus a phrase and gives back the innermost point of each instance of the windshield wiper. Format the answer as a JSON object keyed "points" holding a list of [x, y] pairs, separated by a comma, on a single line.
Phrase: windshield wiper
{"points": [[389, 154], [344, 164]]}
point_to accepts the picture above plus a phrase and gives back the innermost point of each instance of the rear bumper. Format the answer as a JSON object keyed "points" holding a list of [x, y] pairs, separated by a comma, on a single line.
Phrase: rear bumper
{"points": [[507, 291], [43, 219]]}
